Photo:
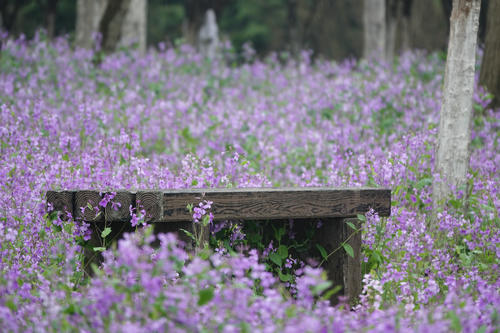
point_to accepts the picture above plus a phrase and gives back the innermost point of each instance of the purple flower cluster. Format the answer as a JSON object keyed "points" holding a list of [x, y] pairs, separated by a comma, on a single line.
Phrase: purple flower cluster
{"points": [[170, 120]]}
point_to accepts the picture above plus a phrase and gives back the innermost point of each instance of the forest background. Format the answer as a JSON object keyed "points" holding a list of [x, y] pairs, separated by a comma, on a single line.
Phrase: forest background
{"points": [[333, 29]]}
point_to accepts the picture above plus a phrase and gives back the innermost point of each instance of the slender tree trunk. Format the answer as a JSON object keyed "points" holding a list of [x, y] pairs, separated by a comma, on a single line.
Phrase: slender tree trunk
{"points": [[134, 26], [293, 28], [208, 37], [193, 21], [88, 16], [392, 18], [111, 23], [453, 154], [50, 19], [405, 25], [374, 28], [490, 68]]}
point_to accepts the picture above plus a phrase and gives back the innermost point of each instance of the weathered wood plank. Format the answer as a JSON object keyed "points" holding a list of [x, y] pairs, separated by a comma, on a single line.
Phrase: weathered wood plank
{"points": [[84, 199], [271, 203], [352, 265], [121, 210], [152, 202], [61, 201], [239, 203], [330, 235]]}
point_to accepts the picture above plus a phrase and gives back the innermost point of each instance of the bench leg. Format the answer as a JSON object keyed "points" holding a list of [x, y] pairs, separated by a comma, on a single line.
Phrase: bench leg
{"points": [[342, 269]]}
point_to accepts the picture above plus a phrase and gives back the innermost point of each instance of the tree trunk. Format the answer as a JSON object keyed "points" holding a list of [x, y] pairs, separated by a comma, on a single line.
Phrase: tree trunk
{"points": [[193, 21], [453, 155], [374, 28], [208, 37], [293, 28], [88, 16], [134, 26], [50, 19], [111, 23], [392, 17], [490, 68], [120, 22], [405, 25]]}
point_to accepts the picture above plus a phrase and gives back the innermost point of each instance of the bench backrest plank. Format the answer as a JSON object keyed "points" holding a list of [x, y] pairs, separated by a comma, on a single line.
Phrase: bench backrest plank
{"points": [[233, 203]]}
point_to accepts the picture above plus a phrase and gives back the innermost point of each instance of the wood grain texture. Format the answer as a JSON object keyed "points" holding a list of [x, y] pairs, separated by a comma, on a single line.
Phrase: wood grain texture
{"points": [[83, 199], [152, 202], [277, 203], [352, 266], [61, 201], [121, 212], [342, 269], [330, 235]]}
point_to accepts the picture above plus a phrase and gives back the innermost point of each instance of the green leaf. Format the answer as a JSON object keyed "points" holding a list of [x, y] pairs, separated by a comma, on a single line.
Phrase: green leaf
{"points": [[71, 309], [481, 329], [205, 295], [65, 157], [455, 322], [205, 221], [285, 277], [245, 328], [423, 183], [283, 251], [11, 305], [99, 249], [291, 311], [322, 251], [278, 233], [190, 235], [12, 172], [361, 217], [105, 232], [276, 258], [331, 292], [319, 288], [351, 225], [348, 249]]}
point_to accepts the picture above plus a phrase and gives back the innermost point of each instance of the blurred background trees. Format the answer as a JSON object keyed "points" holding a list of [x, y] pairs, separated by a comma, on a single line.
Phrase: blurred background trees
{"points": [[331, 28]]}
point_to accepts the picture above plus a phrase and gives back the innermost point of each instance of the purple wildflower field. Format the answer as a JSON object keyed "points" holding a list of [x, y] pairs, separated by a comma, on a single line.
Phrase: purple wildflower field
{"points": [[170, 119]]}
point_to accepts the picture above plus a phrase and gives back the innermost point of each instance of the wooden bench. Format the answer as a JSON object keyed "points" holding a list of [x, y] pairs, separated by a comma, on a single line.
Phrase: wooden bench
{"points": [[169, 209]]}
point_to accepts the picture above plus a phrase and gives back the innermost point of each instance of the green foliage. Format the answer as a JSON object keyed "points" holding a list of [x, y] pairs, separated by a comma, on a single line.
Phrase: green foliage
{"points": [[164, 21], [205, 295], [253, 21]]}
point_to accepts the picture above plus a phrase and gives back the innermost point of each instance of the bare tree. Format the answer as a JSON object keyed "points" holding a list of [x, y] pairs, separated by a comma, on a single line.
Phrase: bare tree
{"points": [[490, 68], [374, 28], [453, 154]]}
